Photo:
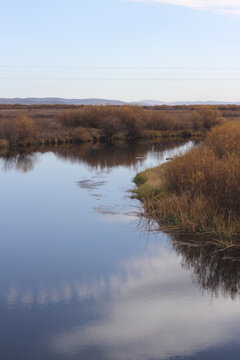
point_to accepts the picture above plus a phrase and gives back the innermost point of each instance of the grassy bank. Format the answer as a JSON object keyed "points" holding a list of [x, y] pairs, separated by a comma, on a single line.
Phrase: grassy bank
{"points": [[198, 192], [45, 125]]}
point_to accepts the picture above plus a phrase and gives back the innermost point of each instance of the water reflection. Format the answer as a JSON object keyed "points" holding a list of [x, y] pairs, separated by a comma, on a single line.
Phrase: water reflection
{"points": [[153, 313], [65, 293], [80, 281], [22, 161], [149, 309], [214, 270], [98, 156], [109, 156]]}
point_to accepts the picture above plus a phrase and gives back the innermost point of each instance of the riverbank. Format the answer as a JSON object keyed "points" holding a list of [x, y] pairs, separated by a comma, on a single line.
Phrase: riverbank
{"points": [[198, 192]]}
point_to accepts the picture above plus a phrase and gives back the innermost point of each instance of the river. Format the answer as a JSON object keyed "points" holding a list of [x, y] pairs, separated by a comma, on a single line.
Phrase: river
{"points": [[81, 277]]}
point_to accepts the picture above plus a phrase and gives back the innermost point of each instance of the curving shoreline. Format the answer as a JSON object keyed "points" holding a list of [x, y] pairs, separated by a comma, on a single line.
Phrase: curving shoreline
{"points": [[198, 192]]}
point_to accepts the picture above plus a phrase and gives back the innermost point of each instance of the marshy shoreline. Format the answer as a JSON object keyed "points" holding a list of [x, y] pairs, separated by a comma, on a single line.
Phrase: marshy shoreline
{"points": [[198, 193]]}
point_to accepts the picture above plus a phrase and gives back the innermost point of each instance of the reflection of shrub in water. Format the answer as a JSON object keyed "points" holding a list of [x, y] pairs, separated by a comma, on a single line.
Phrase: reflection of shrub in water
{"points": [[21, 162], [108, 156], [95, 155], [214, 270]]}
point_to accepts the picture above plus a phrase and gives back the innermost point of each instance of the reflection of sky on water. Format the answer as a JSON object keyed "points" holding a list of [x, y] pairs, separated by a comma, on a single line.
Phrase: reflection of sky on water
{"points": [[80, 280], [148, 310], [155, 312]]}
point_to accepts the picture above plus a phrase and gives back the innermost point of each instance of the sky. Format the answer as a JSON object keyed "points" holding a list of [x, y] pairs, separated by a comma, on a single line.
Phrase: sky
{"points": [[167, 50]]}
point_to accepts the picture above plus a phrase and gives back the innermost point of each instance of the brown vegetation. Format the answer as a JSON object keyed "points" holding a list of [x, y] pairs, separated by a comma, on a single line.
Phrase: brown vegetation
{"points": [[199, 191], [27, 125]]}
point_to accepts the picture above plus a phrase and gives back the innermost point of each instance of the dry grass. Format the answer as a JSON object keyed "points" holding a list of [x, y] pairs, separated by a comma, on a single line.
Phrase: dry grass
{"points": [[199, 192]]}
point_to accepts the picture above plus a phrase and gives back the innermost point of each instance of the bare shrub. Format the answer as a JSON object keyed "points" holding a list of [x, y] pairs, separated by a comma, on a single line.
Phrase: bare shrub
{"points": [[207, 117], [132, 119], [71, 118], [110, 125], [25, 128], [163, 122], [225, 139], [212, 171], [81, 134]]}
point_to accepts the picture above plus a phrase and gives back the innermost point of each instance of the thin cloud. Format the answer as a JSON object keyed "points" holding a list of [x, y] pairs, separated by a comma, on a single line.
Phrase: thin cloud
{"points": [[229, 7]]}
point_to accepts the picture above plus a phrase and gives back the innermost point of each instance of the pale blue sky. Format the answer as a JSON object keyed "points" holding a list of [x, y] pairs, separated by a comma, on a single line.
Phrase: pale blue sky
{"points": [[120, 49]]}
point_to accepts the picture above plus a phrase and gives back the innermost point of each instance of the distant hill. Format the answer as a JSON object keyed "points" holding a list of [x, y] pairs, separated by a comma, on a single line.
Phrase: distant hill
{"points": [[62, 101], [159, 103], [59, 101]]}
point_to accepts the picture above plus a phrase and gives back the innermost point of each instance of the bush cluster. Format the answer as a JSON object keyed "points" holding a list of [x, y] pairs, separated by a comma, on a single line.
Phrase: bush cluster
{"points": [[205, 184], [87, 123]]}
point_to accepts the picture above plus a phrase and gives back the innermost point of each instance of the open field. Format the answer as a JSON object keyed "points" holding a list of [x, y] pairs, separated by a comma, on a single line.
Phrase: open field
{"points": [[198, 192], [22, 125]]}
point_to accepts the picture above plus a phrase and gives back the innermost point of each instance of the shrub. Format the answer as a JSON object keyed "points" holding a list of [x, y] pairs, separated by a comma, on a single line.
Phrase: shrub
{"points": [[110, 125], [225, 139], [202, 187], [81, 134], [71, 118], [132, 119], [24, 128], [163, 122], [206, 117], [201, 172]]}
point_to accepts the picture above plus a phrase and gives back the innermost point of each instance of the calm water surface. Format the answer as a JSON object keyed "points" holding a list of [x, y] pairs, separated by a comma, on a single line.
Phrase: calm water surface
{"points": [[81, 279]]}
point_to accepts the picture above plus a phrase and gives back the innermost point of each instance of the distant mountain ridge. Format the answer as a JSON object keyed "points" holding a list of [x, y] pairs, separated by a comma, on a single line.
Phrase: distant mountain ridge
{"points": [[58, 101], [94, 101], [174, 103]]}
